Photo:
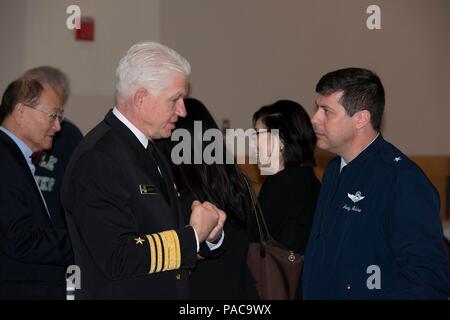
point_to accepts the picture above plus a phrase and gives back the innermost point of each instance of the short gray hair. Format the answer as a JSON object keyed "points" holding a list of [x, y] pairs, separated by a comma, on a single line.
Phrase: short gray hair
{"points": [[54, 77], [148, 64]]}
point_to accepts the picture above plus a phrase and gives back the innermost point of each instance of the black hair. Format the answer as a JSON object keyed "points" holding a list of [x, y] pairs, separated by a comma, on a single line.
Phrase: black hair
{"points": [[26, 90], [295, 130], [224, 184], [362, 90]]}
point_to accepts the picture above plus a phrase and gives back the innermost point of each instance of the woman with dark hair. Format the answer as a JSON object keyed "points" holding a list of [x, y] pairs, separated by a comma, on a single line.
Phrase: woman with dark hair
{"points": [[289, 194], [224, 185]]}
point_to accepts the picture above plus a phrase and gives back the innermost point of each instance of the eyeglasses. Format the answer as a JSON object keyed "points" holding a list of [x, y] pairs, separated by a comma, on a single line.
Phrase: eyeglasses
{"points": [[258, 132], [51, 116]]}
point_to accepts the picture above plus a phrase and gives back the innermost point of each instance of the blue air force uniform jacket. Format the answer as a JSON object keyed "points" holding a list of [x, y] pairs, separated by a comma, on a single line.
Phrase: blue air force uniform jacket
{"points": [[127, 228], [377, 233]]}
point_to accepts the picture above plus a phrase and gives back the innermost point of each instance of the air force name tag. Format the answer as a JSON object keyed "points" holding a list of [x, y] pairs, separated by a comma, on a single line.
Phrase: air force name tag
{"points": [[147, 189]]}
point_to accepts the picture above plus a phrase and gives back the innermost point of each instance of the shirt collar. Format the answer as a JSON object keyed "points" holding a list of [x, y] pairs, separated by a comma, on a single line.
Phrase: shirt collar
{"points": [[138, 133], [24, 148], [344, 163]]}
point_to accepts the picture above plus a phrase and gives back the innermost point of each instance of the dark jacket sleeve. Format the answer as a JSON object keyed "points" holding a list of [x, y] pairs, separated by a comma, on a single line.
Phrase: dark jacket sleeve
{"points": [[22, 237], [416, 237], [95, 194]]}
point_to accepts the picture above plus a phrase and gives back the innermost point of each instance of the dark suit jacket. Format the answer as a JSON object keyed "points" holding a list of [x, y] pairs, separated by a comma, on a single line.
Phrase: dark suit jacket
{"points": [[107, 211], [34, 253]]}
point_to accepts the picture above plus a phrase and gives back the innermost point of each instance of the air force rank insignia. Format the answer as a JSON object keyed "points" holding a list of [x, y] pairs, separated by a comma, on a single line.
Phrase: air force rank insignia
{"points": [[146, 189]]}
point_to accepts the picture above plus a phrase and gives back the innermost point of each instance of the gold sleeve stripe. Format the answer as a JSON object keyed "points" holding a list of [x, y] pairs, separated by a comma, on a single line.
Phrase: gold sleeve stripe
{"points": [[173, 251], [172, 246], [166, 244], [176, 240], [165, 253], [152, 253], [159, 251], [170, 251]]}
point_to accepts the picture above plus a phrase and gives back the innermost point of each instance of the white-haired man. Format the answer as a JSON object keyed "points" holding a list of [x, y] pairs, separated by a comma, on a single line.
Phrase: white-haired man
{"points": [[129, 236]]}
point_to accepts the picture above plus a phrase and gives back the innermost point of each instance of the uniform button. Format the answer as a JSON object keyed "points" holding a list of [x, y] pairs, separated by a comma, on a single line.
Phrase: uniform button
{"points": [[190, 272], [348, 286], [178, 276]]}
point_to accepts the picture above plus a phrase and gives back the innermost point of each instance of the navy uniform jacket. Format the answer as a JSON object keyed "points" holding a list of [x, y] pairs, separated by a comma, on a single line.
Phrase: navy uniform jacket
{"points": [[34, 253], [130, 240], [378, 218]]}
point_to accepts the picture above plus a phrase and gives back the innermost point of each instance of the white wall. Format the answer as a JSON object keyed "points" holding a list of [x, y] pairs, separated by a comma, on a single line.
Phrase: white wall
{"points": [[89, 65], [12, 40], [249, 53]]}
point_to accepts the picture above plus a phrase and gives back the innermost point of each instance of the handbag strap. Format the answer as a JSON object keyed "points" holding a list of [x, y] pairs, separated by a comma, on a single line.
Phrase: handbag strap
{"points": [[264, 234]]}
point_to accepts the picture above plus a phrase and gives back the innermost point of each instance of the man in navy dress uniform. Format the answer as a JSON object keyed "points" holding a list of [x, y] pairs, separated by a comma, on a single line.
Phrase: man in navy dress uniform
{"points": [[377, 233], [129, 234]]}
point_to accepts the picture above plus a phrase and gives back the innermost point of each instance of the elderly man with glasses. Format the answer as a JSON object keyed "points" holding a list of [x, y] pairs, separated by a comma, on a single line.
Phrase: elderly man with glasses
{"points": [[34, 253], [51, 164]]}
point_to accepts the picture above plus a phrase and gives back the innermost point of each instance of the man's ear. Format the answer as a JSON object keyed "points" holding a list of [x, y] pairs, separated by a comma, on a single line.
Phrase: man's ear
{"points": [[19, 110], [362, 119], [139, 97], [19, 107], [17, 114]]}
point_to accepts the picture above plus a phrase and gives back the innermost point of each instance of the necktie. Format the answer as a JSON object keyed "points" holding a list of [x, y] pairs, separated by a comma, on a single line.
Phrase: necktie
{"points": [[36, 157], [151, 149]]}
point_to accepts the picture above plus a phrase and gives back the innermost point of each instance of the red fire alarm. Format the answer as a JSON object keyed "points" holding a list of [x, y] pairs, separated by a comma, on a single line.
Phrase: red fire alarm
{"points": [[86, 31]]}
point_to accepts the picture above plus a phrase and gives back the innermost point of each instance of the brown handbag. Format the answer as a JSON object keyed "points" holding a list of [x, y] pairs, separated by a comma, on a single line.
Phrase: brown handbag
{"points": [[275, 269]]}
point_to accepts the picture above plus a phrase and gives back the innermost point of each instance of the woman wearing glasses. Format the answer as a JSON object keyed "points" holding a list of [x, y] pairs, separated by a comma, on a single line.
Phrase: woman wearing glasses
{"points": [[285, 144]]}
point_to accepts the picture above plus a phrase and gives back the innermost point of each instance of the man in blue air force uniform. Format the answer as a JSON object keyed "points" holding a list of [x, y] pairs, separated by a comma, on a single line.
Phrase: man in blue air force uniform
{"points": [[377, 233]]}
